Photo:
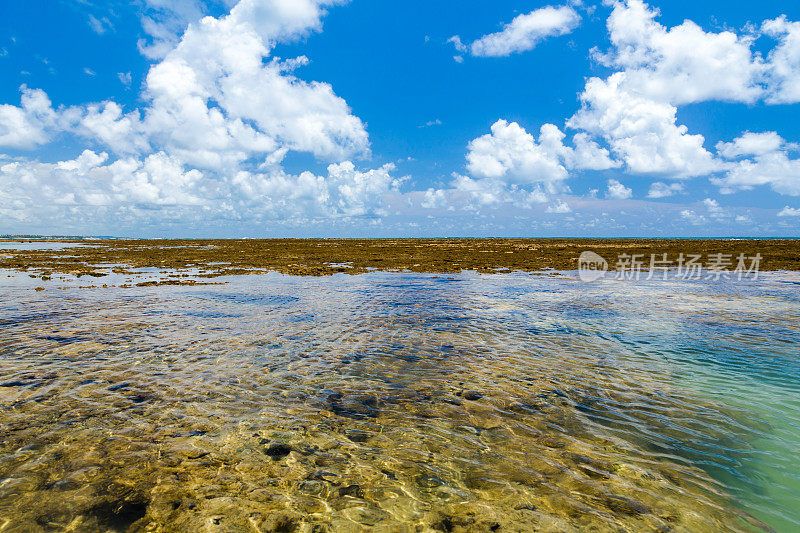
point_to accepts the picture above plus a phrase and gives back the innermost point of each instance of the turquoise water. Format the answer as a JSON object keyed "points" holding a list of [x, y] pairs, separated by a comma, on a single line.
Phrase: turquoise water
{"points": [[401, 402]]}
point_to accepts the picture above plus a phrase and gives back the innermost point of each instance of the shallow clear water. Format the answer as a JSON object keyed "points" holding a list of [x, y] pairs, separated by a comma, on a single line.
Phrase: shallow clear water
{"points": [[399, 402], [38, 245]]}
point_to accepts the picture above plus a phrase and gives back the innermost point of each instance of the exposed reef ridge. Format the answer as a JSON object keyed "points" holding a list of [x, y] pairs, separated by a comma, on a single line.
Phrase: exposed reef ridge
{"points": [[214, 258]]}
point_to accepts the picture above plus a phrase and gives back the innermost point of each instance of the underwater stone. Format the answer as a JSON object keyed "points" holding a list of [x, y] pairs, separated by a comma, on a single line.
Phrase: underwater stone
{"points": [[120, 515], [357, 407], [357, 436], [351, 490], [278, 451]]}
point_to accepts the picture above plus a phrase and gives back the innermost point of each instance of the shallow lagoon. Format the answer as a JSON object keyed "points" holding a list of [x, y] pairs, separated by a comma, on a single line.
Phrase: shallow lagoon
{"points": [[401, 402]]}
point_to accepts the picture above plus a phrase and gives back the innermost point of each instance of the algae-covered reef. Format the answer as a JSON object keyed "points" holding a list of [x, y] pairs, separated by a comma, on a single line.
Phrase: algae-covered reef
{"points": [[214, 258]]}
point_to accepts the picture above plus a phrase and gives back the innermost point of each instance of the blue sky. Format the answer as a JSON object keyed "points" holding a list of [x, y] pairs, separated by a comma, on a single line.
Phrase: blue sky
{"points": [[364, 118]]}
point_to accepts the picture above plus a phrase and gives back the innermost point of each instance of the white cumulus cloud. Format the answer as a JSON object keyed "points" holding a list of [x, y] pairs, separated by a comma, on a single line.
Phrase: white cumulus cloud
{"points": [[219, 116], [769, 162], [618, 191], [30, 124], [789, 212], [776, 170], [642, 132], [494, 192], [682, 64], [524, 32], [660, 189], [784, 61], [93, 184], [511, 153], [560, 207], [164, 21], [749, 144], [714, 209], [693, 218]]}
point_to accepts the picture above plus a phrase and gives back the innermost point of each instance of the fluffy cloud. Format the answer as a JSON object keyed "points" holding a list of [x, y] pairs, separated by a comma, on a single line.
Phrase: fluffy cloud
{"points": [[634, 110], [523, 33], [643, 132], [618, 191], [683, 64], [560, 207], [662, 190], [28, 125], [493, 192], [344, 192], [630, 117], [693, 218], [164, 21], [214, 101], [769, 163], [511, 153], [784, 61], [107, 124], [776, 170], [686, 64], [714, 209], [485, 192], [749, 144], [91, 182], [219, 114], [434, 199], [789, 212], [588, 155], [218, 119]]}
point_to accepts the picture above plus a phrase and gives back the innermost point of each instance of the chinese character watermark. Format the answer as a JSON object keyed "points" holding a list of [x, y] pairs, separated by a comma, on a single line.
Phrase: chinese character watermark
{"points": [[712, 267]]}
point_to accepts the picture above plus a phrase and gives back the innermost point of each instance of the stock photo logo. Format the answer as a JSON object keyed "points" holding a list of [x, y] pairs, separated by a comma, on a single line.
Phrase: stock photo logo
{"points": [[591, 267], [684, 266]]}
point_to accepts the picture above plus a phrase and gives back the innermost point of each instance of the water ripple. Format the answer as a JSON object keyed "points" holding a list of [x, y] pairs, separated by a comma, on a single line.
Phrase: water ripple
{"points": [[402, 402]]}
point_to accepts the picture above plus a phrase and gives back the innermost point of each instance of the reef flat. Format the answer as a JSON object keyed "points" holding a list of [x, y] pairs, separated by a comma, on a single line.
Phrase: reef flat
{"points": [[214, 258]]}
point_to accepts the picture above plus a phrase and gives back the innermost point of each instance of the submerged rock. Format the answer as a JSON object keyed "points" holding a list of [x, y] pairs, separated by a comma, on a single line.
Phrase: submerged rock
{"points": [[357, 436], [118, 515], [357, 406], [278, 451], [351, 490]]}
